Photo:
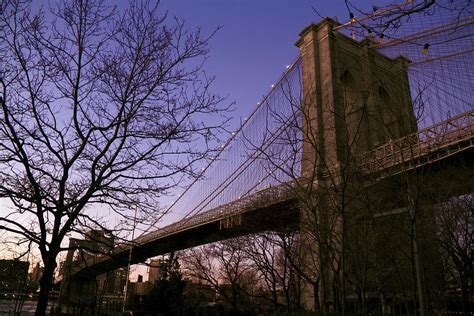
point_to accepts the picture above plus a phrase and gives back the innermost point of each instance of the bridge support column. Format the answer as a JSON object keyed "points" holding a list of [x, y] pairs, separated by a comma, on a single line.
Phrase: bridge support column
{"points": [[354, 99], [78, 293], [80, 296]]}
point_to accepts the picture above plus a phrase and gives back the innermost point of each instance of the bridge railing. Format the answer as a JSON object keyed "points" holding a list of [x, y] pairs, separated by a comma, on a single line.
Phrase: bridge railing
{"points": [[261, 198], [270, 195], [449, 132]]}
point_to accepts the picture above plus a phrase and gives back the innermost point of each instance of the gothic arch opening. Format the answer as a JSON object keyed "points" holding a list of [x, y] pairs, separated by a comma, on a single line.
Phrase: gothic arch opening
{"points": [[353, 103], [387, 115]]}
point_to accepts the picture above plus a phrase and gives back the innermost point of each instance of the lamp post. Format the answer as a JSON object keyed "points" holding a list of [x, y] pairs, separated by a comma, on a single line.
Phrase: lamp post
{"points": [[127, 280]]}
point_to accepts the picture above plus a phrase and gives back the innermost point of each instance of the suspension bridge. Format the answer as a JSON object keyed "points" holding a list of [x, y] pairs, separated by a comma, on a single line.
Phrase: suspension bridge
{"points": [[349, 86]]}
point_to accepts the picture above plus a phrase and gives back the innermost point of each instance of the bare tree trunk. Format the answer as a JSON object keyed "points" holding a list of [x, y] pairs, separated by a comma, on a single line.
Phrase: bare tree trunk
{"points": [[343, 268], [46, 284], [416, 258]]}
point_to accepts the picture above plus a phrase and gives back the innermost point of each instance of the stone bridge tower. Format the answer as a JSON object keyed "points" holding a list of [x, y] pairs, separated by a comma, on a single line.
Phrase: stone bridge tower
{"points": [[354, 99]]}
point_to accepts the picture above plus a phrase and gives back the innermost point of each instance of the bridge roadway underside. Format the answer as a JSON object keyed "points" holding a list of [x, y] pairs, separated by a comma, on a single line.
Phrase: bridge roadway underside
{"points": [[274, 217], [437, 180]]}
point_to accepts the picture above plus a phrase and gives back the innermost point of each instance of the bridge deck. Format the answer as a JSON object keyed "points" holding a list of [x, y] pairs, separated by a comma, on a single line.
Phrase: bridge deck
{"points": [[429, 145]]}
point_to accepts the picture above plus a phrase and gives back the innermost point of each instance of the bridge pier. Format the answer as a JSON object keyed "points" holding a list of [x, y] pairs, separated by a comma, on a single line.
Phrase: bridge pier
{"points": [[79, 292], [354, 99], [79, 298]]}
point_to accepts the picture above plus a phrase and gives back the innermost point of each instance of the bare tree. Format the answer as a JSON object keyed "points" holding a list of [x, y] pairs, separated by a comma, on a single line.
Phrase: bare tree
{"points": [[387, 18], [339, 119], [99, 107], [226, 268], [455, 219], [274, 256], [15, 281]]}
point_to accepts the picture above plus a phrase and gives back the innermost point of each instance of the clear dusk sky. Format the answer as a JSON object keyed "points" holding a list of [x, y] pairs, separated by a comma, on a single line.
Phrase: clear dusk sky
{"points": [[256, 40]]}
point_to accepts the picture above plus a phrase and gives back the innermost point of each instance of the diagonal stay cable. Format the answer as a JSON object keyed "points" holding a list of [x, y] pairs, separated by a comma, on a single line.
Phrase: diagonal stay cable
{"points": [[289, 68], [255, 155]]}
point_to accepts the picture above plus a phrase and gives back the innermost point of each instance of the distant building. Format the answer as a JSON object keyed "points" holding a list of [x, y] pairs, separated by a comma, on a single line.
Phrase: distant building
{"points": [[34, 277], [86, 252], [140, 288], [13, 275], [115, 281], [36, 274], [155, 271], [96, 243]]}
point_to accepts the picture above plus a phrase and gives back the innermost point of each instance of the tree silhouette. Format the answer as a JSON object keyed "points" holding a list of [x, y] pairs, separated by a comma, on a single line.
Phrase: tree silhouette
{"points": [[99, 108], [166, 297]]}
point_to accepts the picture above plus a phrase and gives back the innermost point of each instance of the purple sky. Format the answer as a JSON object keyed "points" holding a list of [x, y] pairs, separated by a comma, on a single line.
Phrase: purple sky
{"points": [[256, 41]]}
